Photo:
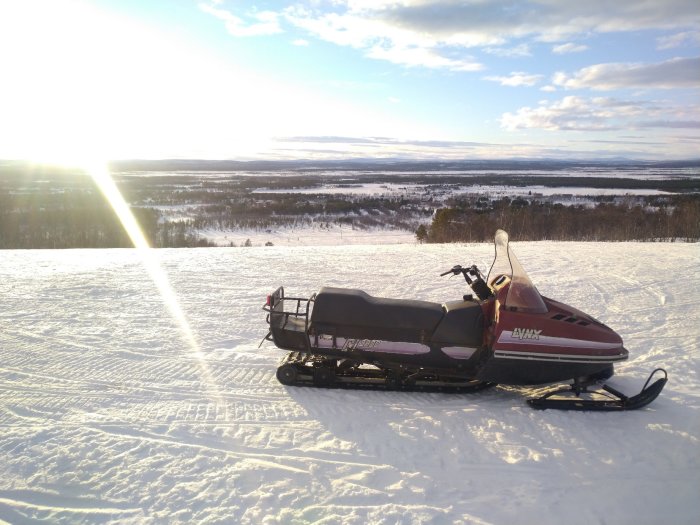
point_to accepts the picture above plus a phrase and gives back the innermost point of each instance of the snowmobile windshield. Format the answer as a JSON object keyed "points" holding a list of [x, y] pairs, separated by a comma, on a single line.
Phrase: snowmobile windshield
{"points": [[522, 294]]}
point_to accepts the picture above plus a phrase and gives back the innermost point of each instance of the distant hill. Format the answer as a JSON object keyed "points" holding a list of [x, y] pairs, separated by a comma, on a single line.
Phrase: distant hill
{"points": [[383, 164], [191, 165]]}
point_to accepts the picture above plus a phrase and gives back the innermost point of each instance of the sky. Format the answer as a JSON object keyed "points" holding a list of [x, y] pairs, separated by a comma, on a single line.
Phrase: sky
{"points": [[413, 79]]}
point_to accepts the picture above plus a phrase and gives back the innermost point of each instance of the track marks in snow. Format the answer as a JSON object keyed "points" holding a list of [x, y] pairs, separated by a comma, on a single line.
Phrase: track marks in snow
{"points": [[55, 505], [106, 410], [265, 460]]}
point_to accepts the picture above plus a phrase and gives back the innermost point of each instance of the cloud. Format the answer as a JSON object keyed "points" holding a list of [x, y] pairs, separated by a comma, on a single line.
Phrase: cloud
{"points": [[380, 40], [671, 74], [678, 40], [420, 56], [477, 23], [344, 147], [516, 79], [634, 142], [321, 146], [496, 22], [574, 113], [330, 139], [439, 33], [259, 24], [673, 124], [300, 42], [383, 141], [569, 47], [519, 51]]}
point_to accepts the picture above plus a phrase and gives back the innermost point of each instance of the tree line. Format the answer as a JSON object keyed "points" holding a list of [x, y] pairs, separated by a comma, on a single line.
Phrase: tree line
{"points": [[80, 218], [674, 218]]}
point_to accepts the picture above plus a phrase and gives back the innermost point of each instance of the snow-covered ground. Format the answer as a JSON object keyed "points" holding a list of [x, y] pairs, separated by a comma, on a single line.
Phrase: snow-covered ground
{"points": [[312, 235], [389, 190], [109, 414]]}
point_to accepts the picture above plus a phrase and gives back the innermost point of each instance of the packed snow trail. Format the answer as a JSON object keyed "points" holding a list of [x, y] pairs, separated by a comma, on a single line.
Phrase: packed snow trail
{"points": [[106, 414]]}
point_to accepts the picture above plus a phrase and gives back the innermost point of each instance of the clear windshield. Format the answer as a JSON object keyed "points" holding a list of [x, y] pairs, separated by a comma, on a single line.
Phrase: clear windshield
{"points": [[522, 294]]}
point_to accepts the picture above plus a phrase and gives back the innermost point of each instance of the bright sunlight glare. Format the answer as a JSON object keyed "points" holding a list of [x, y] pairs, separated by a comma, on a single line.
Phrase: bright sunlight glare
{"points": [[156, 94], [99, 172]]}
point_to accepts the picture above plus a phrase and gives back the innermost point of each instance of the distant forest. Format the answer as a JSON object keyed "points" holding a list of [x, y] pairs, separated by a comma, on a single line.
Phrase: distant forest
{"points": [[52, 208], [84, 220], [675, 218], [57, 209]]}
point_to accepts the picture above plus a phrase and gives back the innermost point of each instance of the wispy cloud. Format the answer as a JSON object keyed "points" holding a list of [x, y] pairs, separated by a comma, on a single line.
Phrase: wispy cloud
{"points": [[381, 40], [574, 113], [438, 33], [671, 74], [482, 23], [385, 141], [413, 56], [633, 142], [334, 147], [256, 23], [673, 124], [519, 51], [569, 47], [516, 79], [678, 40]]}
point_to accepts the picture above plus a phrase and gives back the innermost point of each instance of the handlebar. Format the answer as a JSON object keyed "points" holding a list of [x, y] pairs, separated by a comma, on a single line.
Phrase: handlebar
{"points": [[456, 270], [474, 279]]}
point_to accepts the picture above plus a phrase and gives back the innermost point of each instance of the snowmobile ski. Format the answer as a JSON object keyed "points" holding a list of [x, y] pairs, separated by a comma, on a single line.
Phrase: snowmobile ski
{"points": [[613, 400]]}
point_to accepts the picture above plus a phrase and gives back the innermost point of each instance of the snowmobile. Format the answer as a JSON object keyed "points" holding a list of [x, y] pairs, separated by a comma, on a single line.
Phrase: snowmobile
{"points": [[504, 332]]}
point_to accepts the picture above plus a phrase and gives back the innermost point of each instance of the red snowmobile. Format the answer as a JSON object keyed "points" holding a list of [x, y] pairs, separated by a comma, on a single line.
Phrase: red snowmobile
{"points": [[504, 332]]}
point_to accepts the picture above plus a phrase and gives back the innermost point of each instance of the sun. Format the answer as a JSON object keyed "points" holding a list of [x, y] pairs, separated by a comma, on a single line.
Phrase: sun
{"points": [[81, 79]]}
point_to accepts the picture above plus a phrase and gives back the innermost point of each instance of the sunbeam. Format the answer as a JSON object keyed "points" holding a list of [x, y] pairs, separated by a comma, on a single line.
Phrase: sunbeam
{"points": [[99, 172]]}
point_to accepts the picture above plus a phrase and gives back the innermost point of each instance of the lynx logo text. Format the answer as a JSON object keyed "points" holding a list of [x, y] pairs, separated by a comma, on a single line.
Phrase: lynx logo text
{"points": [[526, 333]]}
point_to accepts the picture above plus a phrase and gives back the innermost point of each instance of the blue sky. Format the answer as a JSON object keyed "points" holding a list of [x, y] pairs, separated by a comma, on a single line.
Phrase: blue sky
{"points": [[342, 79]]}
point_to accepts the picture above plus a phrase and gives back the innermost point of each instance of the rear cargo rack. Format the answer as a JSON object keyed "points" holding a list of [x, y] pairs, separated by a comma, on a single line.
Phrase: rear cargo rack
{"points": [[288, 318]]}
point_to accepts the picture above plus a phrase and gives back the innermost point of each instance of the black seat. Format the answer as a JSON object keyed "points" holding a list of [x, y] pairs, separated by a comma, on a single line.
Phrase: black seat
{"points": [[354, 313]]}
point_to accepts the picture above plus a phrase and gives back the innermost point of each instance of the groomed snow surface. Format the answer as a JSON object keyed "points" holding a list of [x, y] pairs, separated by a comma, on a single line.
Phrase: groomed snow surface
{"points": [[109, 415], [311, 235]]}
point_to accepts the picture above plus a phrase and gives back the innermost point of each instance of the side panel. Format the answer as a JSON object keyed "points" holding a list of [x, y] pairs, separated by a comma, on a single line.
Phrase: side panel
{"points": [[557, 345], [523, 372], [452, 361]]}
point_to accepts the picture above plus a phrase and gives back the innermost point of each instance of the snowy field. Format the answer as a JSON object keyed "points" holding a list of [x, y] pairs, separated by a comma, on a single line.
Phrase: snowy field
{"points": [[393, 190], [311, 235], [108, 414]]}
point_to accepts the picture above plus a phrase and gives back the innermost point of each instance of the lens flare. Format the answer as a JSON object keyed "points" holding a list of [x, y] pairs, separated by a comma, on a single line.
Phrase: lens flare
{"points": [[102, 177]]}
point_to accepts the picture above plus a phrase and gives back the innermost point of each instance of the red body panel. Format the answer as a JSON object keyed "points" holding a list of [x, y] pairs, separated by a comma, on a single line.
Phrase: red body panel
{"points": [[562, 332]]}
